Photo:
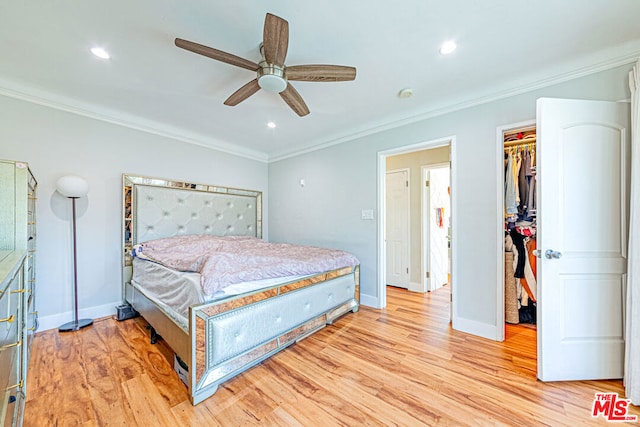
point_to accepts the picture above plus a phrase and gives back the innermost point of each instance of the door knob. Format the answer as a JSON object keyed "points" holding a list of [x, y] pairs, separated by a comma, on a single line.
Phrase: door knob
{"points": [[551, 254]]}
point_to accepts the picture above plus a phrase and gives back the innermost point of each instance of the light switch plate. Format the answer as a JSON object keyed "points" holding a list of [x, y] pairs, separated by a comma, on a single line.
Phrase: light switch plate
{"points": [[367, 214]]}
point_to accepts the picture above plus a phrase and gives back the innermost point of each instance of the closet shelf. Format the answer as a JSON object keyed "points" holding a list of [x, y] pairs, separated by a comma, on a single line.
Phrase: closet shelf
{"points": [[520, 142]]}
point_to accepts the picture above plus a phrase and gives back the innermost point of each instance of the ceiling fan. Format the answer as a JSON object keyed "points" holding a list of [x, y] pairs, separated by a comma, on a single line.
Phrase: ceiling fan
{"points": [[272, 74]]}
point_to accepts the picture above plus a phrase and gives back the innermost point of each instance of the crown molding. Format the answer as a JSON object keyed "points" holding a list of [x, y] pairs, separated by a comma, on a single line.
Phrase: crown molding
{"points": [[498, 95], [34, 96]]}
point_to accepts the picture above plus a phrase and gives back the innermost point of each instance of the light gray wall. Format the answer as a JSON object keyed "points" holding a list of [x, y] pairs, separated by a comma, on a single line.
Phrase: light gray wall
{"points": [[341, 180], [56, 143]]}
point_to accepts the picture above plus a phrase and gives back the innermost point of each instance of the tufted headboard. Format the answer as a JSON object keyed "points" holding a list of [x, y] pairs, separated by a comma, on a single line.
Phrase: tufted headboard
{"points": [[165, 212], [154, 208]]}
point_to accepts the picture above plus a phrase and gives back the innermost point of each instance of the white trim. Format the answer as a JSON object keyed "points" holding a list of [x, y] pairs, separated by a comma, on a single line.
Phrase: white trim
{"points": [[453, 156], [370, 301], [474, 327], [381, 289], [127, 120], [55, 320], [500, 131], [496, 96], [425, 201], [416, 287], [382, 216]]}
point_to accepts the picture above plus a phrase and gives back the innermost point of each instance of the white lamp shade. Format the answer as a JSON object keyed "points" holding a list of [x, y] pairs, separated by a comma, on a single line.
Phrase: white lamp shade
{"points": [[72, 186]]}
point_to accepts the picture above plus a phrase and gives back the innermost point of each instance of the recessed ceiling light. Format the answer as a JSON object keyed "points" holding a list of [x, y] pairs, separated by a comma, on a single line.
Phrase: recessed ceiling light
{"points": [[100, 52], [271, 125], [448, 47]]}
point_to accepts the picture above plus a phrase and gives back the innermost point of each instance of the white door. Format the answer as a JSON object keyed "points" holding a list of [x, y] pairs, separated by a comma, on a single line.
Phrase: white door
{"points": [[583, 175], [439, 212], [397, 228]]}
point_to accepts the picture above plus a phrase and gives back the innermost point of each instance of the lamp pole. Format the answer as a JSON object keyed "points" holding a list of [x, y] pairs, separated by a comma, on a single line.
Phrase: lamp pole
{"points": [[75, 262], [76, 323]]}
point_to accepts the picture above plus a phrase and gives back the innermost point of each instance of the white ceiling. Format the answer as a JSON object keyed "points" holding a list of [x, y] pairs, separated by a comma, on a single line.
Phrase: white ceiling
{"points": [[504, 46]]}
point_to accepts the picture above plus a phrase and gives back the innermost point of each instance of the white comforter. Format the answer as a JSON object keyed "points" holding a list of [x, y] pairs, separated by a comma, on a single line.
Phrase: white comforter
{"points": [[223, 261]]}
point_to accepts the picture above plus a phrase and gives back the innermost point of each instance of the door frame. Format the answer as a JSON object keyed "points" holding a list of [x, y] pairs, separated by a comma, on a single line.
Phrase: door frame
{"points": [[381, 247], [500, 131], [425, 220], [408, 242]]}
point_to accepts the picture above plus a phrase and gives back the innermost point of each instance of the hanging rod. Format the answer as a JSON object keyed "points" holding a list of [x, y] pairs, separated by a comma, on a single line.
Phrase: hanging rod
{"points": [[520, 142]]}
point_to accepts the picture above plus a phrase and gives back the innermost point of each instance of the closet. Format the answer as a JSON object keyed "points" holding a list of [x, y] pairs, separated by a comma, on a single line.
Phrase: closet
{"points": [[520, 226]]}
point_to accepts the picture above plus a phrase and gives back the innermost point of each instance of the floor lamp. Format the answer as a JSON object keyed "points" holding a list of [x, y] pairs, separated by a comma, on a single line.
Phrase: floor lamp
{"points": [[74, 187]]}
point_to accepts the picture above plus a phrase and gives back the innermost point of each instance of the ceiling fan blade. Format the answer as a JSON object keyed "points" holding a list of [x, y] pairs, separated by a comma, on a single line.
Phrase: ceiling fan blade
{"points": [[217, 54], [320, 73], [275, 40], [243, 93], [294, 100]]}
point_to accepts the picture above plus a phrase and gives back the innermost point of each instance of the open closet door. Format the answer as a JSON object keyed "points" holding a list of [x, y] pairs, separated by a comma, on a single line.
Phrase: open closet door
{"points": [[583, 176]]}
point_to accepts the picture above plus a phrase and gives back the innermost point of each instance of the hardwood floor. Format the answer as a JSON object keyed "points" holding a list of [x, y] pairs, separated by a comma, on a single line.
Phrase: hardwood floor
{"points": [[403, 365]]}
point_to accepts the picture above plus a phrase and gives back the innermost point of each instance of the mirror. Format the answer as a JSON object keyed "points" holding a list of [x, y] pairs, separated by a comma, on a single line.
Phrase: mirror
{"points": [[129, 205]]}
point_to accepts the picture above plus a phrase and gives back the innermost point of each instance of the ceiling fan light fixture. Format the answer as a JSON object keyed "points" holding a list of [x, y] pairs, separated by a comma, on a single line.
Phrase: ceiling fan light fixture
{"points": [[271, 75], [271, 83], [271, 78]]}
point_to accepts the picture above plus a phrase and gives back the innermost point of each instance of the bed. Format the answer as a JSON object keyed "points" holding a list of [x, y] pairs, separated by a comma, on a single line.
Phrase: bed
{"points": [[221, 334]]}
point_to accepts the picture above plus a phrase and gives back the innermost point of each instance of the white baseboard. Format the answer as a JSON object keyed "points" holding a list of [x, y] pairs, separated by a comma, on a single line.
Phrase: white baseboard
{"points": [[55, 320], [370, 301], [474, 327], [417, 287]]}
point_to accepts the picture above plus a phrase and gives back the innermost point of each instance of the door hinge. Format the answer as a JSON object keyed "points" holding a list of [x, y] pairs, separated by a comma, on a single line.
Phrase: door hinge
{"points": [[407, 270], [426, 183], [406, 183], [427, 274]]}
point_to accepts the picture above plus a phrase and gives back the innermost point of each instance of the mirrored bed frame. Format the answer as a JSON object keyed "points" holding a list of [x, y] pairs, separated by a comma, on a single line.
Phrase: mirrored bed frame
{"points": [[218, 343]]}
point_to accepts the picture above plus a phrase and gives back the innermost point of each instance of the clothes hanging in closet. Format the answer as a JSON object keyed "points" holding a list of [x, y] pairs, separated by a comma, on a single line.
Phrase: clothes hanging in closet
{"points": [[523, 183], [511, 207], [520, 241], [520, 225], [520, 184]]}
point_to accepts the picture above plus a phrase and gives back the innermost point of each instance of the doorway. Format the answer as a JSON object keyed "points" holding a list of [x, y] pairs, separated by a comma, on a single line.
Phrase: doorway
{"points": [[519, 227], [501, 228], [417, 271], [583, 147], [436, 229]]}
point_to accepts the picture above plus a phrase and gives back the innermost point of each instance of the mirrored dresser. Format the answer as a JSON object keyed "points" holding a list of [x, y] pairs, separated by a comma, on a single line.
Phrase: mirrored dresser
{"points": [[18, 317]]}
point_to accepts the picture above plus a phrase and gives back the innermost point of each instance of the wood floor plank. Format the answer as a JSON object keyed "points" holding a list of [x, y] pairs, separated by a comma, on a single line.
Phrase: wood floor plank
{"points": [[403, 365], [148, 406], [188, 415], [104, 376], [118, 343], [61, 390]]}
